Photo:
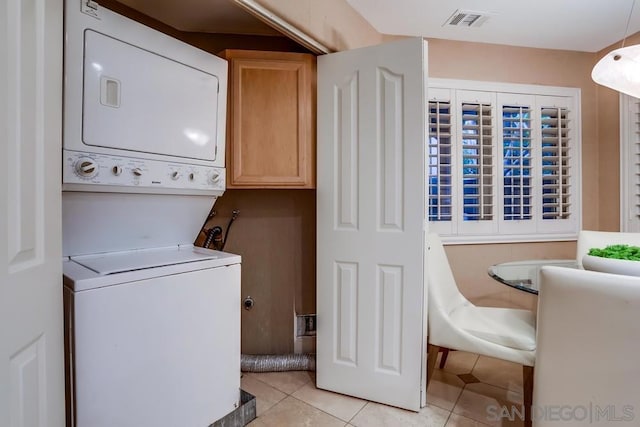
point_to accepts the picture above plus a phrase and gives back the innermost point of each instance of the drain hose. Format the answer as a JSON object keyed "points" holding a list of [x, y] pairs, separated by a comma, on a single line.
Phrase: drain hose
{"points": [[277, 362]]}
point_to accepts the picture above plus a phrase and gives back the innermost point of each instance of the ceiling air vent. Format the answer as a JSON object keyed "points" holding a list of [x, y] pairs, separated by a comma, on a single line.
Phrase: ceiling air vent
{"points": [[467, 18]]}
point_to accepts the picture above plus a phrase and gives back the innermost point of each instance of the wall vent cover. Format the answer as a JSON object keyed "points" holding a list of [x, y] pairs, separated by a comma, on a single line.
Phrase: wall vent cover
{"points": [[467, 18]]}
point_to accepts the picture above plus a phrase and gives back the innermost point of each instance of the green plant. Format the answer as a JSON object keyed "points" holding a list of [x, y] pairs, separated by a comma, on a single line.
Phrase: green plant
{"points": [[626, 252]]}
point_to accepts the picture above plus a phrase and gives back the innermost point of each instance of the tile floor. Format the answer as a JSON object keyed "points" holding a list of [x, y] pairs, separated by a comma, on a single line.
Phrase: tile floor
{"points": [[469, 391]]}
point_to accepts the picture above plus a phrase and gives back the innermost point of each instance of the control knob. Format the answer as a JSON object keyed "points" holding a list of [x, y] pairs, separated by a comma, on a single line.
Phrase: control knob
{"points": [[116, 170], [137, 171], [175, 175], [86, 167], [215, 177]]}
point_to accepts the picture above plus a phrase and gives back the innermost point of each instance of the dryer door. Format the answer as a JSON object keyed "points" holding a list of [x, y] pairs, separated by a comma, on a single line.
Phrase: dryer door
{"points": [[138, 101]]}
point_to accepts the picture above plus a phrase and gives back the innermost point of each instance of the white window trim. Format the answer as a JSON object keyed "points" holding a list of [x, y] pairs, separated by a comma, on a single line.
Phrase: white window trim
{"points": [[629, 221], [525, 89]]}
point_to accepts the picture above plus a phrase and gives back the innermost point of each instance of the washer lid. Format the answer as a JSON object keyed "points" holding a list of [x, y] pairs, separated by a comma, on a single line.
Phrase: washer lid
{"points": [[95, 223], [120, 262]]}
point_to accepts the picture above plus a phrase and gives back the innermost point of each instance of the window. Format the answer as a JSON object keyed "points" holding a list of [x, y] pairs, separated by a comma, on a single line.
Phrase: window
{"points": [[629, 163], [503, 161]]}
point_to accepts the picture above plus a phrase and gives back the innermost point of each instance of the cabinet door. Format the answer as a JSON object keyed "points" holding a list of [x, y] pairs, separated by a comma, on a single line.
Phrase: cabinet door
{"points": [[271, 132]]}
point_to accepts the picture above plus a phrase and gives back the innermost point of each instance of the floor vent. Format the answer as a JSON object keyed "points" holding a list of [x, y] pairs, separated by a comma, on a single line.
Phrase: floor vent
{"points": [[305, 325]]}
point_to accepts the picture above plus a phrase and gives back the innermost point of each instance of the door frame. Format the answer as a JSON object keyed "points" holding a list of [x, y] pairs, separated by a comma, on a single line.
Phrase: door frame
{"points": [[285, 27]]}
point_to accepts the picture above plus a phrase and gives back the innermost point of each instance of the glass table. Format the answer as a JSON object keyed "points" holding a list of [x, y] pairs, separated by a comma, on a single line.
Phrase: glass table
{"points": [[525, 275]]}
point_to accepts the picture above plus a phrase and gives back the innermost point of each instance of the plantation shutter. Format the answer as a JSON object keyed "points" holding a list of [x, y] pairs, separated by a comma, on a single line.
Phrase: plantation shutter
{"points": [[477, 161], [630, 163], [636, 158], [441, 162], [504, 162], [517, 162], [555, 156], [476, 146]]}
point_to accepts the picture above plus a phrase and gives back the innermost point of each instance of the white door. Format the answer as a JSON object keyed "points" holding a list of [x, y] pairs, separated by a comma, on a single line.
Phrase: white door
{"points": [[31, 333], [371, 297]]}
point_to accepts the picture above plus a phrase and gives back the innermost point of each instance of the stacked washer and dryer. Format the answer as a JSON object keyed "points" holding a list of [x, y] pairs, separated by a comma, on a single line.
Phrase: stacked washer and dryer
{"points": [[152, 322]]}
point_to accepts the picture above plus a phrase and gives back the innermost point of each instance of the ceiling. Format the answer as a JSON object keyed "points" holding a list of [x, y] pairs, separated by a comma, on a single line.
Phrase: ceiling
{"points": [[206, 16], [581, 25]]}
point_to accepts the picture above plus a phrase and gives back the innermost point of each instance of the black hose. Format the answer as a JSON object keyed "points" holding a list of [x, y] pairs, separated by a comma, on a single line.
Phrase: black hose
{"points": [[211, 236], [234, 215]]}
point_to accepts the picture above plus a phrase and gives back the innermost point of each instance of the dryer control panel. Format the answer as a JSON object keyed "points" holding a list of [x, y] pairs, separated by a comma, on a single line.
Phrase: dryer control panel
{"points": [[130, 174]]}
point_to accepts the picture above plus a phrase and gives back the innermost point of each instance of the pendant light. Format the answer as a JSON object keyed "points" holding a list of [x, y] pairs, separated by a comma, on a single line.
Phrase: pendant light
{"points": [[620, 69]]}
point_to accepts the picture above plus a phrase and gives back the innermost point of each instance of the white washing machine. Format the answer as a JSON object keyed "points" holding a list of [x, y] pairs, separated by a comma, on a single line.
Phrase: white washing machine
{"points": [[152, 322], [154, 336]]}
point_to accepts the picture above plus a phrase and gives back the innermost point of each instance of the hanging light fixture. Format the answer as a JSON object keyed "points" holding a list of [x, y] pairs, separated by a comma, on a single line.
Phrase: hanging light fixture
{"points": [[620, 69]]}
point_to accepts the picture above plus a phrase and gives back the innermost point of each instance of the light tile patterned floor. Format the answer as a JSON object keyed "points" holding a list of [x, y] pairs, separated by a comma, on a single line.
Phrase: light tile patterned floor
{"points": [[468, 392]]}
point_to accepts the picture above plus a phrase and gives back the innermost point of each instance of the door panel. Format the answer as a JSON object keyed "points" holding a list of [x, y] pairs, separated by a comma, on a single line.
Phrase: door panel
{"points": [[31, 335], [346, 141], [371, 214]]}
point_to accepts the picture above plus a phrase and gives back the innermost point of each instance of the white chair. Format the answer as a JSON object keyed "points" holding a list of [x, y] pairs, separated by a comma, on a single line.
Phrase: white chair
{"points": [[455, 323], [588, 239], [588, 340]]}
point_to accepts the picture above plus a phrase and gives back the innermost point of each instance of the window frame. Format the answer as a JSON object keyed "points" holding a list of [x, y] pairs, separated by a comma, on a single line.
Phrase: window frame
{"points": [[629, 159], [561, 230]]}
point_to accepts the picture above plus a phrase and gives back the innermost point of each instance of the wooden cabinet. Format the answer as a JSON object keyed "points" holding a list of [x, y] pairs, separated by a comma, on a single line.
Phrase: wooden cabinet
{"points": [[271, 119]]}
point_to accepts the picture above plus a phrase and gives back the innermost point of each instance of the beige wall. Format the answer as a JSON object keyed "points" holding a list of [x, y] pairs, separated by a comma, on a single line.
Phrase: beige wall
{"points": [[274, 233], [335, 24], [338, 26], [332, 22], [477, 61]]}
